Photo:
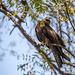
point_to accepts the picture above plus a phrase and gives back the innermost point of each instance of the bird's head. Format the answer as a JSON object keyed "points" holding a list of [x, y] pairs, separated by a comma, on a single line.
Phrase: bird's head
{"points": [[47, 21], [44, 22]]}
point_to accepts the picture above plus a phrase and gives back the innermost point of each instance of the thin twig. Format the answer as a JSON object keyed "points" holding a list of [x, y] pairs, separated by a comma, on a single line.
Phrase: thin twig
{"points": [[68, 64], [67, 35], [68, 15]]}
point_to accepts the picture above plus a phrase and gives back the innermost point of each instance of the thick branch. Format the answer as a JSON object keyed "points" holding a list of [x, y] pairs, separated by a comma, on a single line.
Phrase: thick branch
{"points": [[10, 17]]}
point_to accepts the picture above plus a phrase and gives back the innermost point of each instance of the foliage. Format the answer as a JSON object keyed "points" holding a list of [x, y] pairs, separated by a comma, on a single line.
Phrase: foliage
{"points": [[60, 12]]}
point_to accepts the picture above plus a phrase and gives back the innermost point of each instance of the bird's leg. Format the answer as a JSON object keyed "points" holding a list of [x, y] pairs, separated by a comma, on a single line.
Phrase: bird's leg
{"points": [[47, 42]]}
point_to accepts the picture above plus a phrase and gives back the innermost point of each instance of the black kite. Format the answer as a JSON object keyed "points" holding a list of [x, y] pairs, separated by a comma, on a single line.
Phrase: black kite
{"points": [[48, 36]]}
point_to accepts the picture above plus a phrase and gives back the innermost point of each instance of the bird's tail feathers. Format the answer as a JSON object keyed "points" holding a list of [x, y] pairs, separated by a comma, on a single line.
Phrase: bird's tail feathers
{"points": [[57, 57]]}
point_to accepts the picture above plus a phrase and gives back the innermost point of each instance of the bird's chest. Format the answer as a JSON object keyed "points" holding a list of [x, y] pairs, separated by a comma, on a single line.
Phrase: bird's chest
{"points": [[40, 35]]}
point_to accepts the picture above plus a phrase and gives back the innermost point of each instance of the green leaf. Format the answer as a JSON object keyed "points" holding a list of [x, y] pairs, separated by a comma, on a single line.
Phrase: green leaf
{"points": [[15, 14]]}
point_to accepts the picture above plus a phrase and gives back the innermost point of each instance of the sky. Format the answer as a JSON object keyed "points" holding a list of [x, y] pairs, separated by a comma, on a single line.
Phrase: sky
{"points": [[14, 42]]}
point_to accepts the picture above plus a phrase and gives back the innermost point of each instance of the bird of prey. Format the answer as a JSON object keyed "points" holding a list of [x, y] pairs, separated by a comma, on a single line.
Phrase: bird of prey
{"points": [[47, 35]]}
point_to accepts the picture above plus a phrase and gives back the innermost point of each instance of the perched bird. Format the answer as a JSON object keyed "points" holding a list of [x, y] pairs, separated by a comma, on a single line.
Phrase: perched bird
{"points": [[47, 35]]}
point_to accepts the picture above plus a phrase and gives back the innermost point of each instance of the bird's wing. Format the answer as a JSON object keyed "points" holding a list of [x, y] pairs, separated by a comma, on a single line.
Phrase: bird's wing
{"points": [[50, 38], [50, 34], [61, 41], [54, 38]]}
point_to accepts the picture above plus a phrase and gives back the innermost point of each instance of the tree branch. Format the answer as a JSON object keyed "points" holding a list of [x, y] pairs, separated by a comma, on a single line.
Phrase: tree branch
{"points": [[2, 5], [58, 18], [42, 44], [68, 15], [68, 64], [24, 2]]}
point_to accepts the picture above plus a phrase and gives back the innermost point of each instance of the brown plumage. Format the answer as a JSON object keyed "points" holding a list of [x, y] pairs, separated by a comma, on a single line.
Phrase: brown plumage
{"points": [[48, 36]]}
